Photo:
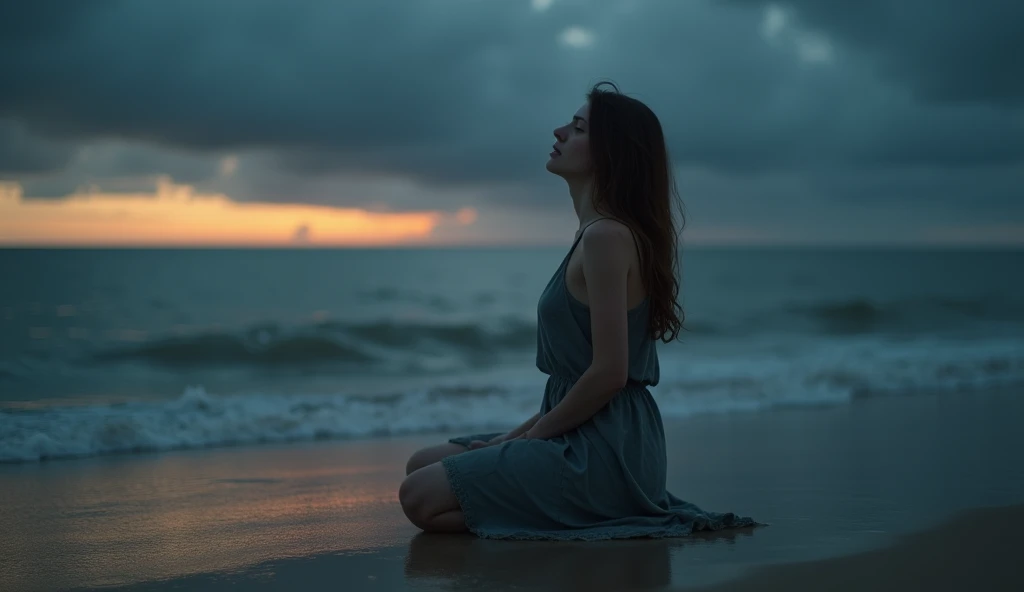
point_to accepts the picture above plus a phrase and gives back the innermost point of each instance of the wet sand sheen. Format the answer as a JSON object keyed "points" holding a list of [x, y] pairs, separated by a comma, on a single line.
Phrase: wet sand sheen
{"points": [[832, 483], [977, 550]]}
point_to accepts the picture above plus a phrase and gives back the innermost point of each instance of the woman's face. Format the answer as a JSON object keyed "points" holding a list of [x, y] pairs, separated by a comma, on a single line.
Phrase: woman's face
{"points": [[570, 156]]}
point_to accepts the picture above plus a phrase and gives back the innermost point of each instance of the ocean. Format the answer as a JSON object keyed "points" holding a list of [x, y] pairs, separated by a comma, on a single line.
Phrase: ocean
{"points": [[135, 351]]}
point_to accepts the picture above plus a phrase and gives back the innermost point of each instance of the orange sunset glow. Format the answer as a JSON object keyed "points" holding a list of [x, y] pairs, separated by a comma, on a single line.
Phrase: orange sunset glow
{"points": [[175, 215]]}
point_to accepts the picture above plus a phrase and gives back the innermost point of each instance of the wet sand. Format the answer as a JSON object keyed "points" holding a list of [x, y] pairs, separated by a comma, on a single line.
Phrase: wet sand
{"points": [[842, 488], [976, 550]]}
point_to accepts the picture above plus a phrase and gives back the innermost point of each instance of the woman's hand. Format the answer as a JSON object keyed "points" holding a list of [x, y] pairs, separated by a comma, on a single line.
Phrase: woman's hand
{"points": [[476, 444]]}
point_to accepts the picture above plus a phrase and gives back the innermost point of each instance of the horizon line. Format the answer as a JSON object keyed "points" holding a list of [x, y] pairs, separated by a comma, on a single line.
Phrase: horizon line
{"points": [[503, 245]]}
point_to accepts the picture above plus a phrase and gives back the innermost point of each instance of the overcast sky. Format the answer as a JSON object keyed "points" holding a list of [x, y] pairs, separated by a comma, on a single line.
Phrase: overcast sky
{"points": [[873, 121]]}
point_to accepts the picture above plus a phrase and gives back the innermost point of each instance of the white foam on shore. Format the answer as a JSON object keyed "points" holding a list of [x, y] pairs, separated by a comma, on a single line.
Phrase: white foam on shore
{"points": [[692, 383]]}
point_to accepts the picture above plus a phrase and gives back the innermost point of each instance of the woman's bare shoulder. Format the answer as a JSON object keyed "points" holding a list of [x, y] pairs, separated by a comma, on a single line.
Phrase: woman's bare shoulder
{"points": [[608, 235]]}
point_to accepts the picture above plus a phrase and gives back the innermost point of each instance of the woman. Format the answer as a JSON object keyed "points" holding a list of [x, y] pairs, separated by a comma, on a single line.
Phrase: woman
{"points": [[591, 463]]}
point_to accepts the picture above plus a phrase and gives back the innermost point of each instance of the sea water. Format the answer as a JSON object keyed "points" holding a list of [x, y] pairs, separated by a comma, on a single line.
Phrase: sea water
{"points": [[122, 351]]}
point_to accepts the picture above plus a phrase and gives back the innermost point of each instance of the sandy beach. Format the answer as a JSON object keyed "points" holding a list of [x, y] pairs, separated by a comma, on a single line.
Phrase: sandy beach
{"points": [[844, 489], [976, 550]]}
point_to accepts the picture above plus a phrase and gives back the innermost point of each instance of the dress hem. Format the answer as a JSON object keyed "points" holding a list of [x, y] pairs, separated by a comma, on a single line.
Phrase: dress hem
{"points": [[614, 533], [455, 481]]}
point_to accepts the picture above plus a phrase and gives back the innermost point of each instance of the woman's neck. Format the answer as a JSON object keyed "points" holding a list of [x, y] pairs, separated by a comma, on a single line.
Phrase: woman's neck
{"points": [[582, 201]]}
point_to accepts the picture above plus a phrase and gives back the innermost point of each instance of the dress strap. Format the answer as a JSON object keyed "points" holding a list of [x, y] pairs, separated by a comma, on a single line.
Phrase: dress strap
{"points": [[580, 235], [640, 253]]}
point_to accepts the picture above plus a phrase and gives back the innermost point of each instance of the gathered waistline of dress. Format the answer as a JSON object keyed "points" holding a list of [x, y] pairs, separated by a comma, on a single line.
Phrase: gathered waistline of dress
{"points": [[631, 385]]}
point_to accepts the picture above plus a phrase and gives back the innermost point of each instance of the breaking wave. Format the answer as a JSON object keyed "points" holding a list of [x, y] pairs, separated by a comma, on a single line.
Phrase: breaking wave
{"points": [[325, 343], [823, 373]]}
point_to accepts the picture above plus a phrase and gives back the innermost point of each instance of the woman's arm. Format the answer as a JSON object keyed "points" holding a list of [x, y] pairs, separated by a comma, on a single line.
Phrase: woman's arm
{"points": [[607, 249], [522, 429]]}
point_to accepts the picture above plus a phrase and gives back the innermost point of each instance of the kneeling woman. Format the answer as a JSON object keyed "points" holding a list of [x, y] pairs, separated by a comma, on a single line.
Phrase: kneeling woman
{"points": [[591, 463]]}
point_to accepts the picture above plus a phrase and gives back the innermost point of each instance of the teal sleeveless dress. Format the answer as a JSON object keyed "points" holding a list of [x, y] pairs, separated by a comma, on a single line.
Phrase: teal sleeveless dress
{"points": [[602, 480]]}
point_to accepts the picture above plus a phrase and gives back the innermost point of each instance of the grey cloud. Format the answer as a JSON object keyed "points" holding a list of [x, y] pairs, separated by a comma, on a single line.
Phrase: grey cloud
{"points": [[22, 152], [465, 94], [115, 166], [418, 87], [260, 178], [949, 51], [251, 73]]}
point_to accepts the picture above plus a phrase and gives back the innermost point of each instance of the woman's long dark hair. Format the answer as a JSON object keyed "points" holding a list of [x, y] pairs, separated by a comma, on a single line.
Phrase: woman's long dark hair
{"points": [[633, 182]]}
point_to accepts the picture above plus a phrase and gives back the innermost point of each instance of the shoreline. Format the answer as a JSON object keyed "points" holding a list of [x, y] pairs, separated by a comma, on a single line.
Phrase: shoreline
{"points": [[935, 558], [833, 483], [256, 444]]}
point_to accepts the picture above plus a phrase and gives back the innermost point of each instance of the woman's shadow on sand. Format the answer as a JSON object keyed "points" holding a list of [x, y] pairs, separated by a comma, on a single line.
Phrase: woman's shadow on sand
{"points": [[467, 562]]}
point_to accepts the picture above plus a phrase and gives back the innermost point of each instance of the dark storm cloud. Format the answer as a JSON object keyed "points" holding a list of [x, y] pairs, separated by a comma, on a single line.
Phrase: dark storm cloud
{"points": [[116, 166], [247, 73], [948, 51], [453, 92], [23, 153]]}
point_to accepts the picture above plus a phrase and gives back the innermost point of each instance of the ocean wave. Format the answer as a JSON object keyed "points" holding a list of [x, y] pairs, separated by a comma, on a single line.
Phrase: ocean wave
{"points": [[231, 349], [19, 367], [198, 419], [408, 345], [838, 371], [326, 343], [509, 333], [862, 315], [820, 373], [393, 294]]}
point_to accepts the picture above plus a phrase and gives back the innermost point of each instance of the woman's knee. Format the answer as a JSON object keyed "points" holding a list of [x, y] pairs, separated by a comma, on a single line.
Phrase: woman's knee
{"points": [[418, 460], [411, 499], [426, 494], [431, 455], [416, 497]]}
